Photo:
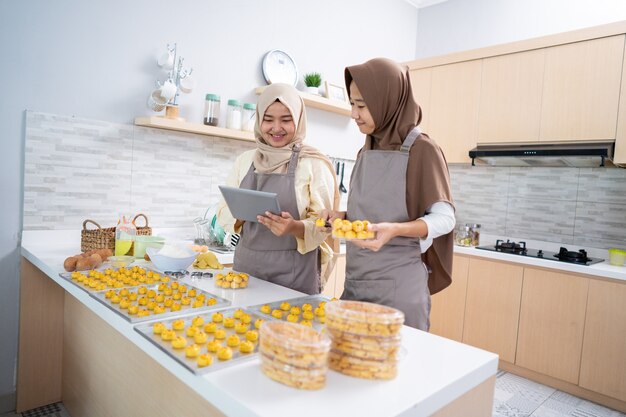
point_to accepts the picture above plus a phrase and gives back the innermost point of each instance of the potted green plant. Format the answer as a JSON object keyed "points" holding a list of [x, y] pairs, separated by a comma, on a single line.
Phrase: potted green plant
{"points": [[313, 80]]}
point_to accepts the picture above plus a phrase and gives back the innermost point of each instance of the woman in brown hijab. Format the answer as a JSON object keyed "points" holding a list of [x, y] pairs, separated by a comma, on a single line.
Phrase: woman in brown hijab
{"points": [[400, 184]]}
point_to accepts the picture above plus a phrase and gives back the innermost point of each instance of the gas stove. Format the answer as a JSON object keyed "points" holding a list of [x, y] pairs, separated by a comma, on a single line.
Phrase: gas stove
{"points": [[563, 255]]}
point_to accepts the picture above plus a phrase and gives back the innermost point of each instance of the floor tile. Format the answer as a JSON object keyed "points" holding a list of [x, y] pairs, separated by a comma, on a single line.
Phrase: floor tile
{"points": [[561, 404], [518, 397], [50, 410]]}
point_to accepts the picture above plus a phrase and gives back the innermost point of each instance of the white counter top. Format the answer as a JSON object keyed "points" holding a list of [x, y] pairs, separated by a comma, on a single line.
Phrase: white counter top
{"points": [[601, 270], [433, 372]]}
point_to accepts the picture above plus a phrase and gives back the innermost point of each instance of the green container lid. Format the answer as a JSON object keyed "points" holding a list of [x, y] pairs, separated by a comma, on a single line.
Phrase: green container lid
{"points": [[212, 97], [232, 102], [249, 106]]}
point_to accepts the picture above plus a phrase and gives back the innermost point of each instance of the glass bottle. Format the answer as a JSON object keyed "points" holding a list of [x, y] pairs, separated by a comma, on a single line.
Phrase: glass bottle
{"points": [[475, 233], [463, 236], [211, 109], [249, 117], [125, 233], [233, 115]]}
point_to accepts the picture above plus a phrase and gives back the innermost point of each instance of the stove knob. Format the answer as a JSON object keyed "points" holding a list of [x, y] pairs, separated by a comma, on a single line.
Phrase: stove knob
{"points": [[540, 253]]}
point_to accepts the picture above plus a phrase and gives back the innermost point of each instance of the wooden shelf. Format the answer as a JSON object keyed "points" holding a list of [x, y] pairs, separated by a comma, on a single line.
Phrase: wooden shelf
{"points": [[322, 103], [198, 128]]}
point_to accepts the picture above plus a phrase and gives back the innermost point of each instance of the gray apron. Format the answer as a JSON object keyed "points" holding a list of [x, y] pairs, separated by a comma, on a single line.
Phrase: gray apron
{"points": [[273, 258], [395, 275]]}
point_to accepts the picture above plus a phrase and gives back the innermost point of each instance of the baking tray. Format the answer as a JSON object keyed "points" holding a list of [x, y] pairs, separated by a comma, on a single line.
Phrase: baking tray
{"points": [[146, 330], [184, 310], [314, 300], [68, 276]]}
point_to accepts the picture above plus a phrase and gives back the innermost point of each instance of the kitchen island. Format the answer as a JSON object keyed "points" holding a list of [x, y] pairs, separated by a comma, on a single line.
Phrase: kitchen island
{"points": [[97, 364]]}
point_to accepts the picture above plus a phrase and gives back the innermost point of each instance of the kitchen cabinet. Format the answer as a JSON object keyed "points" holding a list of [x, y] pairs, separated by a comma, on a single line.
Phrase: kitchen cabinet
{"points": [[620, 139], [453, 108], [492, 305], [581, 90], [603, 367], [447, 312], [420, 84], [197, 128], [510, 97], [321, 103], [552, 320]]}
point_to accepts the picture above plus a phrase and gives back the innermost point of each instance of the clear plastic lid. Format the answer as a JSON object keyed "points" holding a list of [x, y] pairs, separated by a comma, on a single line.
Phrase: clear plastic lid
{"points": [[362, 311], [294, 336]]}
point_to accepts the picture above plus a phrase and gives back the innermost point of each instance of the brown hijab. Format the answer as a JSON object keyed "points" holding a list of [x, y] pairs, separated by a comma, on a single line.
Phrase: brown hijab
{"points": [[386, 89]]}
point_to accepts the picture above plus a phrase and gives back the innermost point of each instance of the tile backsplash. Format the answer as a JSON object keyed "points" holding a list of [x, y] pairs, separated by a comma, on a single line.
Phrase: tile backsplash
{"points": [[581, 206], [77, 169]]}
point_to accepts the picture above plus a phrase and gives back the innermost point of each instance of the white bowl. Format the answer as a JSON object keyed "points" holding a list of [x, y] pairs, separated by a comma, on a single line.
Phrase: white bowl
{"points": [[168, 263]]}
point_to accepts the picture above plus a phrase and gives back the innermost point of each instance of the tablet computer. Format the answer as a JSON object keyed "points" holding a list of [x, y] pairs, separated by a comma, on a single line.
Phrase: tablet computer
{"points": [[246, 204]]}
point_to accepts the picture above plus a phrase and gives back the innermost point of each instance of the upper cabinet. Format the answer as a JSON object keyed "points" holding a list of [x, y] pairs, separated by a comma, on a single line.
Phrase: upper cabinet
{"points": [[453, 108], [510, 97], [581, 90], [563, 87]]}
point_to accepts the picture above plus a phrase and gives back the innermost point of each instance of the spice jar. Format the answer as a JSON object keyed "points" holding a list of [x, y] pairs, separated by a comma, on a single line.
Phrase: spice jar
{"points": [[233, 115], [475, 233], [211, 109], [463, 236], [249, 117]]}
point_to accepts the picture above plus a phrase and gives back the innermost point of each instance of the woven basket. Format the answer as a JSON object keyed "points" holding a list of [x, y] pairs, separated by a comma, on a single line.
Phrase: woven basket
{"points": [[104, 238], [100, 238]]}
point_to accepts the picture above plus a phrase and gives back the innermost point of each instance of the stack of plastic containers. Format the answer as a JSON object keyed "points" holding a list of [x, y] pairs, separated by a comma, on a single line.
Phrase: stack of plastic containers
{"points": [[365, 338], [294, 355]]}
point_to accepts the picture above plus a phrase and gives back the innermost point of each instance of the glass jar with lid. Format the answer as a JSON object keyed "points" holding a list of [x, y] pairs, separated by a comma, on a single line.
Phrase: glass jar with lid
{"points": [[249, 117], [463, 236], [233, 115], [474, 233], [211, 109]]}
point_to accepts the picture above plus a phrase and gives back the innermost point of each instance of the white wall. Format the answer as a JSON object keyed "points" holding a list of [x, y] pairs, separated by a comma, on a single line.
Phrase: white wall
{"points": [[458, 25], [96, 60]]}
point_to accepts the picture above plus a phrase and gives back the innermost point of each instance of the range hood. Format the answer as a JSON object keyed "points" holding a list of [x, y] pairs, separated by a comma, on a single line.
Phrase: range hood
{"points": [[571, 154]]}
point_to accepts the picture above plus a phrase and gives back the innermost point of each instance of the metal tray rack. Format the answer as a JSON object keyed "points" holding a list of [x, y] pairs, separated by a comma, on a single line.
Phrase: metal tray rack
{"points": [[184, 310], [314, 300], [146, 330]]}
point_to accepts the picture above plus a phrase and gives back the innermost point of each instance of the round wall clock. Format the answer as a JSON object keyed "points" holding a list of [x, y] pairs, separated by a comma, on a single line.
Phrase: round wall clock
{"points": [[279, 67]]}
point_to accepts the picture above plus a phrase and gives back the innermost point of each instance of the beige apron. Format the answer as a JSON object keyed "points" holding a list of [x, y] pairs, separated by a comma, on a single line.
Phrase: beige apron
{"points": [[273, 258], [395, 275]]}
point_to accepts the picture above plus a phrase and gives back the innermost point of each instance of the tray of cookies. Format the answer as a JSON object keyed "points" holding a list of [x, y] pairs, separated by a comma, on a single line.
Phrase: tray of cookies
{"points": [[146, 302], [309, 310], [208, 341]]}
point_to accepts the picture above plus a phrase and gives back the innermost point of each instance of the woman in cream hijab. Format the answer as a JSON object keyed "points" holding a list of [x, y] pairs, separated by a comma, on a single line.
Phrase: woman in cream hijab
{"points": [[284, 248]]}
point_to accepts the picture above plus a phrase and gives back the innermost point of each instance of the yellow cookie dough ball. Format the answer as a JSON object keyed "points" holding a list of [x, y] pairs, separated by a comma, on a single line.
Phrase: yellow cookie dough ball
{"points": [[252, 335], [241, 328], [320, 222], [158, 327], [238, 313], [346, 226], [362, 234], [200, 337], [168, 334], [192, 351], [191, 331], [295, 311], [217, 317], [220, 334], [308, 323], [224, 353], [214, 345], [307, 307], [266, 309], [285, 306], [210, 327], [258, 323], [143, 313], [179, 342], [197, 321], [277, 314], [229, 322], [357, 226], [293, 318], [132, 310], [157, 309], [204, 360], [176, 307], [178, 324], [233, 340], [246, 318], [246, 347], [350, 235]]}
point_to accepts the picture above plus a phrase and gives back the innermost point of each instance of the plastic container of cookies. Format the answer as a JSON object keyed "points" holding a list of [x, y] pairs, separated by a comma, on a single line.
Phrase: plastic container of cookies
{"points": [[293, 354], [366, 347], [360, 317], [362, 368]]}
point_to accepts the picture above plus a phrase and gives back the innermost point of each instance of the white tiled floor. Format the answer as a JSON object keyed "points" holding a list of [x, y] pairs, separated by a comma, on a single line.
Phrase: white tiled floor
{"points": [[514, 397], [519, 397]]}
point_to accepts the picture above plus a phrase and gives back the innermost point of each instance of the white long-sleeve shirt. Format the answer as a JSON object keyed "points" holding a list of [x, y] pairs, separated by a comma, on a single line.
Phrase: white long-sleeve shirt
{"points": [[440, 221]]}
